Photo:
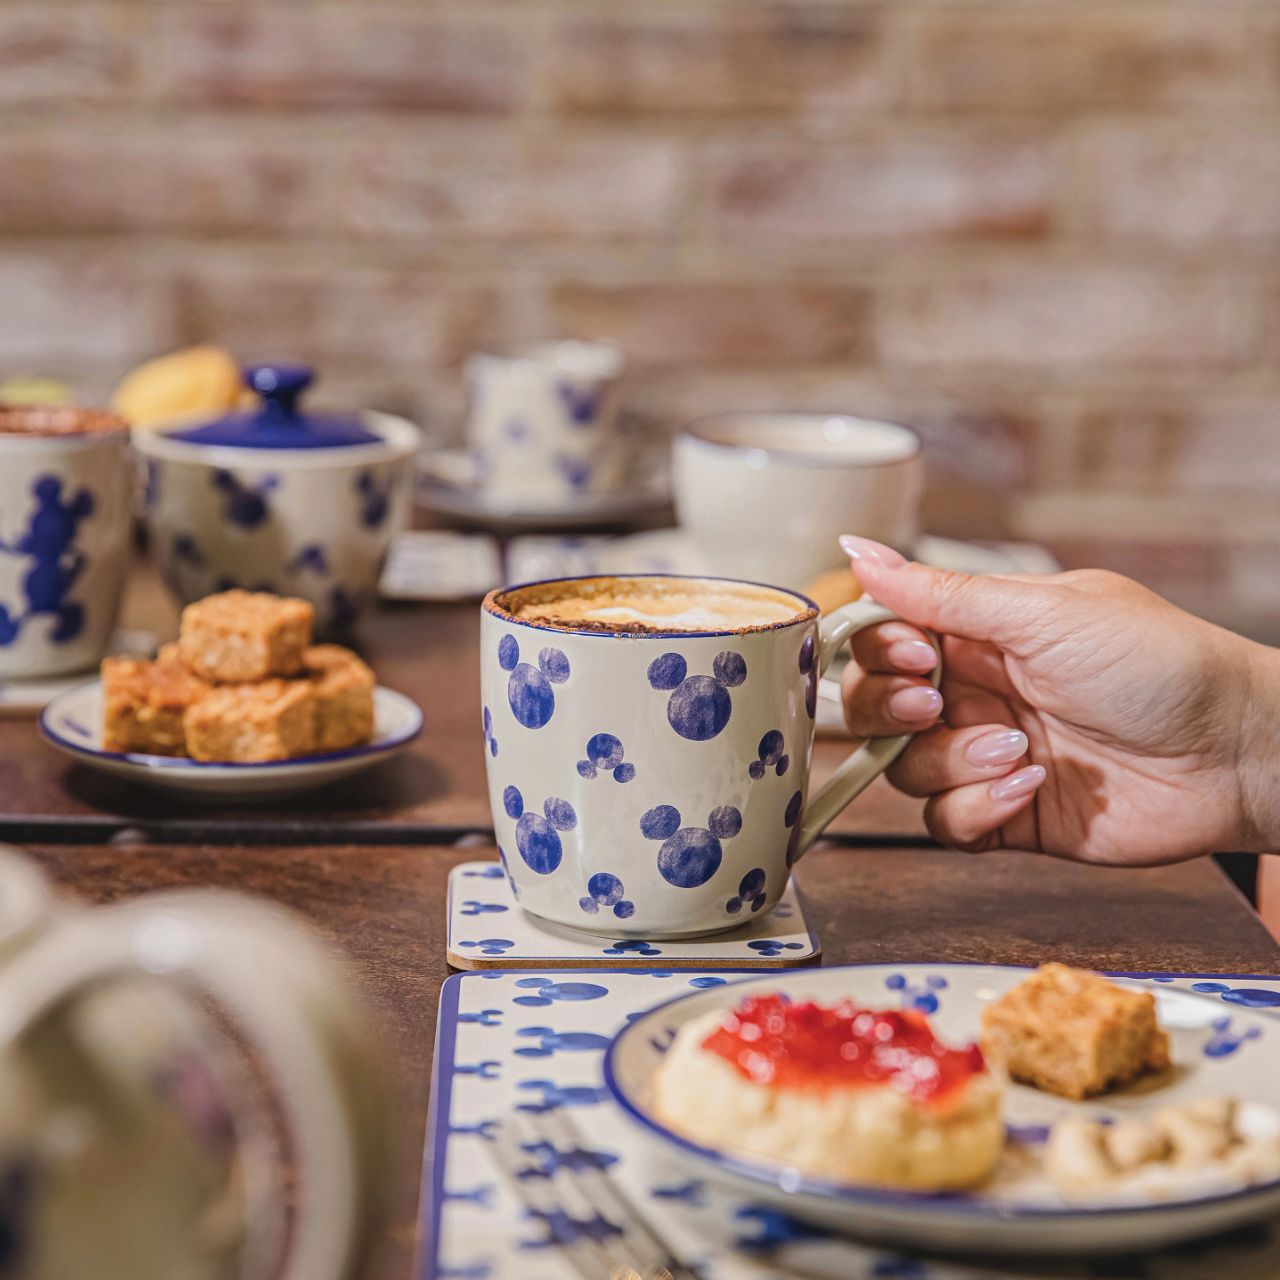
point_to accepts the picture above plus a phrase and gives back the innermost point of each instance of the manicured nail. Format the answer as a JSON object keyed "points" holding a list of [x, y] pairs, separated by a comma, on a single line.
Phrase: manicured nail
{"points": [[916, 703], [1004, 746], [1019, 784], [911, 655], [864, 551]]}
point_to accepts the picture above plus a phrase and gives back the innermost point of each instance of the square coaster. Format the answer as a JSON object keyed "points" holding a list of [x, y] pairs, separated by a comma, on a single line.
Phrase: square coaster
{"points": [[487, 930]]}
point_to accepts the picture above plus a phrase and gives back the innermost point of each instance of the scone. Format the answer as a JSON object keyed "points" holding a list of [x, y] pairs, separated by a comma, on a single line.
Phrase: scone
{"points": [[1073, 1033], [842, 1092]]}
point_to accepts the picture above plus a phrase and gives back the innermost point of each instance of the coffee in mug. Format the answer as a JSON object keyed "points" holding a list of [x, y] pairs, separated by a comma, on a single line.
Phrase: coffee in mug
{"points": [[647, 740]]}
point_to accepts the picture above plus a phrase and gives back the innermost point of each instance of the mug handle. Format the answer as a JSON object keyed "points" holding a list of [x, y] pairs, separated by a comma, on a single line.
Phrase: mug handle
{"points": [[282, 986], [863, 766]]}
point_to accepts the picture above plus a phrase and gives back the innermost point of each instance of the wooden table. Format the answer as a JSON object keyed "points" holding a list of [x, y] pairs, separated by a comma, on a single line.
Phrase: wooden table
{"points": [[385, 906], [369, 867], [434, 790]]}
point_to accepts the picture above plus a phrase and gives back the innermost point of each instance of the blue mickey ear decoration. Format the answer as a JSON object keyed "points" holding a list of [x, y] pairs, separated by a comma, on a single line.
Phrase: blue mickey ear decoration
{"points": [[699, 706], [604, 751], [529, 691], [791, 819], [537, 835], [689, 856]]}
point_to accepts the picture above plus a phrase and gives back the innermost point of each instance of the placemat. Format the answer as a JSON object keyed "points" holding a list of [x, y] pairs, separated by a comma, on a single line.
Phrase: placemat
{"points": [[514, 1042]]}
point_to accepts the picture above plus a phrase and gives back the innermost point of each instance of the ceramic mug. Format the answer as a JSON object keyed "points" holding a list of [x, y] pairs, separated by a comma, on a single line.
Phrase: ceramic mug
{"points": [[542, 421], [65, 485], [767, 495], [655, 784], [132, 1142]]}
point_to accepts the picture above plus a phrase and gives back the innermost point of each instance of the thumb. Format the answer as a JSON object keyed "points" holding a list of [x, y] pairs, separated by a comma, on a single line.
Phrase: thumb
{"points": [[998, 610]]}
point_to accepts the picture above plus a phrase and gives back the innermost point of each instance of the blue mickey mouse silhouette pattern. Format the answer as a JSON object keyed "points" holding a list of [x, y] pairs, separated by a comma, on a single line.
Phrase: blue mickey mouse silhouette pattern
{"points": [[486, 724], [605, 890], [921, 996], [244, 505], [750, 890], [580, 403], [375, 498], [700, 706], [537, 834], [529, 691], [548, 991], [791, 820], [808, 664], [604, 751], [689, 856], [770, 755], [551, 1042], [56, 562]]}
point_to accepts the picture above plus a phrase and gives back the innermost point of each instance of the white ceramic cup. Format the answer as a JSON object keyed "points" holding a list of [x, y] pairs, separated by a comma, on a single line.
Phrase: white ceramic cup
{"points": [[142, 1152], [542, 421], [766, 495], [655, 784], [64, 537]]}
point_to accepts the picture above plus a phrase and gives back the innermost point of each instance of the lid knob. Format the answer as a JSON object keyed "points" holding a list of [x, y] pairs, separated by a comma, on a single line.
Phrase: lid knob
{"points": [[279, 385]]}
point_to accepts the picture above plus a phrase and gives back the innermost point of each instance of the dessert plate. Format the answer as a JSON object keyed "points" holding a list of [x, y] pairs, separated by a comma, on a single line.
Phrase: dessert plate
{"points": [[72, 722], [1223, 1044]]}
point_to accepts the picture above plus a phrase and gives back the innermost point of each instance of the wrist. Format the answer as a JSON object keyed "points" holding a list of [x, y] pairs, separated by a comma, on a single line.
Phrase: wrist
{"points": [[1258, 761]]}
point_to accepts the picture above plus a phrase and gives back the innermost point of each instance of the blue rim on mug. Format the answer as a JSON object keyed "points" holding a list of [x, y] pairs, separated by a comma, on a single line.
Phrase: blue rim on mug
{"points": [[696, 431], [809, 613]]}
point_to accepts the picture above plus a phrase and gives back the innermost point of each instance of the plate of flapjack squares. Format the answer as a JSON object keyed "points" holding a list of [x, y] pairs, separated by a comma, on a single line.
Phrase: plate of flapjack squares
{"points": [[243, 704], [968, 1108]]}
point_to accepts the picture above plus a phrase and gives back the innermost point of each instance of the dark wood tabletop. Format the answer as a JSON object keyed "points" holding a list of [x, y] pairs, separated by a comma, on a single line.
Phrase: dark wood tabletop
{"points": [[435, 789], [385, 904]]}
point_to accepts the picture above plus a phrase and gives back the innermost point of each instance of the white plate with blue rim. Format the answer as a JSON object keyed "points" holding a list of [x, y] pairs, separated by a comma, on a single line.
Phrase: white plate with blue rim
{"points": [[1223, 1041], [72, 722]]}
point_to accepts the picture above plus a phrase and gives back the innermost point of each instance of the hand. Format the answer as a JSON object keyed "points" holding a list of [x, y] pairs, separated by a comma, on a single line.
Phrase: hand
{"points": [[1080, 714]]}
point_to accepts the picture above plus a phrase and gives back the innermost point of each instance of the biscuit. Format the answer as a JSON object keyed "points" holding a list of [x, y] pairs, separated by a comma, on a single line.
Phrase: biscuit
{"points": [[237, 636]]}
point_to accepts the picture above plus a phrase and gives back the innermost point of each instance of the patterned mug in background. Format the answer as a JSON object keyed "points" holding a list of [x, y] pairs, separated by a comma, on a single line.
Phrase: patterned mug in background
{"points": [[64, 536], [653, 784], [542, 422]]}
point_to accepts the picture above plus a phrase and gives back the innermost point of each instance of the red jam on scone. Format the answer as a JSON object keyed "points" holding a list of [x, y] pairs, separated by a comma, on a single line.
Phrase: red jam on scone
{"points": [[772, 1041], [841, 1091]]}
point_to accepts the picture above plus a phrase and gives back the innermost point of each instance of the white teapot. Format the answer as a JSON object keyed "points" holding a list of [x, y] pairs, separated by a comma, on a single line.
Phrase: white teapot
{"points": [[134, 1143]]}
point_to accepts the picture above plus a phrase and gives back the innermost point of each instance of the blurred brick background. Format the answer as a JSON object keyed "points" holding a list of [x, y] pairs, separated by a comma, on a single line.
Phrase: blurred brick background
{"points": [[1042, 231]]}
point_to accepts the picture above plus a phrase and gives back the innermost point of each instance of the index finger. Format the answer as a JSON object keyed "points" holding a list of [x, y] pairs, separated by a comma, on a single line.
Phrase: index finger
{"points": [[894, 647]]}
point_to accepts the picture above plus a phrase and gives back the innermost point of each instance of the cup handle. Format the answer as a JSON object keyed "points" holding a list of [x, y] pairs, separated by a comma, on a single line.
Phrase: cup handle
{"points": [[873, 757], [284, 989]]}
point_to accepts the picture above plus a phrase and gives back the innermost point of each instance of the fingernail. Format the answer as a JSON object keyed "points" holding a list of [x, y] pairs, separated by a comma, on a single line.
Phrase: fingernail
{"points": [[911, 655], [1004, 746], [864, 551], [916, 703], [1019, 784]]}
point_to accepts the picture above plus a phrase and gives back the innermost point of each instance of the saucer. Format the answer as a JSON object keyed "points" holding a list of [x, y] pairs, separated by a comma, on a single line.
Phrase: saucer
{"points": [[487, 930], [449, 485], [72, 722]]}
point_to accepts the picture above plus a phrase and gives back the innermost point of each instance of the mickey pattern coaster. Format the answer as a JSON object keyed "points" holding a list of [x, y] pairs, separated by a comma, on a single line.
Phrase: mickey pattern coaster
{"points": [[487, 930]]}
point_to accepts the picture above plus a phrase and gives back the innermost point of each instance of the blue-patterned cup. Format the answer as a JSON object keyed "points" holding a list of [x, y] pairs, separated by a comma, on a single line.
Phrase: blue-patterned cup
{"points": [[65, 485], [648, 741], [542, 423]]}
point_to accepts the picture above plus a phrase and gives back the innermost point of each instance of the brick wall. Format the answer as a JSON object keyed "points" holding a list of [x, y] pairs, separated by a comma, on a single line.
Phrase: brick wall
{"points": [[1042, 231]]}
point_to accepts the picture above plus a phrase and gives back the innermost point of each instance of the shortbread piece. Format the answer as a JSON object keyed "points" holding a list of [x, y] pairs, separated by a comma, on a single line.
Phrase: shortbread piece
{"points": [[143, 704], [250, 723], [245, 635], [344, 696], [1074, 1033]]}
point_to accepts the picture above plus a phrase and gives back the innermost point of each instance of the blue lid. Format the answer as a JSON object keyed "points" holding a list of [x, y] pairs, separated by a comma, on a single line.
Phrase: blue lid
{"points": [[278, 423]]}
